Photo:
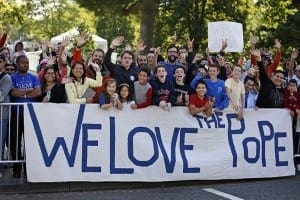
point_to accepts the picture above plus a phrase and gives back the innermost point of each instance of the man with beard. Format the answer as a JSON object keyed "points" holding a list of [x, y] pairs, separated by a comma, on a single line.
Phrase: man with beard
{"points": [[171, 62], [97, 58], [125, 72]]}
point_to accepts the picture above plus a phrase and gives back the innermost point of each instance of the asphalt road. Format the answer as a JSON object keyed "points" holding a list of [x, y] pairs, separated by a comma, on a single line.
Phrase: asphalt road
{"points": [[278, 188]]}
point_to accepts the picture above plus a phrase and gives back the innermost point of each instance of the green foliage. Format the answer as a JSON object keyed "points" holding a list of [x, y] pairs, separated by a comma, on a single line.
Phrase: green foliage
{"points": [[111, 18], [58, 16], [267, 19], [277, 19], [189, 19], [110, 25], [43, 19]]}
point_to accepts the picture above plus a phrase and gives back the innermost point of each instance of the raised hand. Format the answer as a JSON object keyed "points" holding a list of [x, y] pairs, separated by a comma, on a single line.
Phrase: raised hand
{"points": [[157, 50], [221, 60], [224, 44], [174, 38], [277, 43], [51, 61], [65, 41], [190, 45], [64, 57], [140, 46], [294, 54], [117, 42], [255, 52], [81, 39], [197, 58], [96, 67], [128, 47]]}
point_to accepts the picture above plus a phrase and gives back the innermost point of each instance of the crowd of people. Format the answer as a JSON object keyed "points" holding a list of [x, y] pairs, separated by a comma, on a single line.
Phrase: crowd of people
{"points": [[203, 83]]}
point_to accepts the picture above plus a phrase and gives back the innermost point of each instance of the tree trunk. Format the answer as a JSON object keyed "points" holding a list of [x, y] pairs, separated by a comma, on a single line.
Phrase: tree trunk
{"points": [[147, 22]]}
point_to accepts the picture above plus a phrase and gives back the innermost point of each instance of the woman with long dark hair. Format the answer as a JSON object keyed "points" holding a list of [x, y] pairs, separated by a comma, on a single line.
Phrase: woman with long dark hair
{"points": [[79, 90], [52, 91]]}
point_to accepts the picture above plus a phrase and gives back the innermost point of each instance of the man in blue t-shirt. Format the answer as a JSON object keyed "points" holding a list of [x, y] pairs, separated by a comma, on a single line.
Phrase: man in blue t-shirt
{"points": [[26, 88]]}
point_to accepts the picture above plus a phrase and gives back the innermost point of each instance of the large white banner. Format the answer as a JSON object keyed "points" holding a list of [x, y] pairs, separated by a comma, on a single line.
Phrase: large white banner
{"points": [[232, 32], [72, 142]]}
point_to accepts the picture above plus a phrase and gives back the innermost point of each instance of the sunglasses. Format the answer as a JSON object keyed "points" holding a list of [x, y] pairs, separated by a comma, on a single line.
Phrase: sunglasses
{"points": [[10, 69]]}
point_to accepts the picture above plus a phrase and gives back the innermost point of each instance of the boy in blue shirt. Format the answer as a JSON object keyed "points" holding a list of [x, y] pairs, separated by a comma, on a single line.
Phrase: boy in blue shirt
{"points": [[215, 88]]}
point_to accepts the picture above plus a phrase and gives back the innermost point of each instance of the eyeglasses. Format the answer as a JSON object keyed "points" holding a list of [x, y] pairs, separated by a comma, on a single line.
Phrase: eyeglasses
{"points": [[9, 69]]}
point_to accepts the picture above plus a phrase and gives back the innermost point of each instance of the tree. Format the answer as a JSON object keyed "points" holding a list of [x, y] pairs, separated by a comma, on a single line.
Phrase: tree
{"points": [[189, 18], [277, 19], [57, 16], [123, 8], [16, 15]]}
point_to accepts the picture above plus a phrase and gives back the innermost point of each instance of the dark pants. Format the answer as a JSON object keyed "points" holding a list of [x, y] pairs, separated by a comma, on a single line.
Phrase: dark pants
{"points": [[17, 131]]}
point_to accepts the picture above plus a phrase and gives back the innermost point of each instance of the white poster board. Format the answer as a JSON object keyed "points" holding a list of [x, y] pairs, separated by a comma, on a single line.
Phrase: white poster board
{"points": [[230, 31]]}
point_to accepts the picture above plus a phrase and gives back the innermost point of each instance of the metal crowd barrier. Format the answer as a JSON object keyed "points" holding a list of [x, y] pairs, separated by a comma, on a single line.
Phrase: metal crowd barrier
{"points": [[11, 134]]}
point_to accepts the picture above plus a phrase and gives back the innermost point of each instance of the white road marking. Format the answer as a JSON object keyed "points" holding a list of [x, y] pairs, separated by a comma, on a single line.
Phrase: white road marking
{"points": [[222, 194]]}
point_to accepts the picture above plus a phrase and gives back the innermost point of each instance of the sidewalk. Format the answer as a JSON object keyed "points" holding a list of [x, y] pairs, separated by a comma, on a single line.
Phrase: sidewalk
{"points": [[11, 185]]}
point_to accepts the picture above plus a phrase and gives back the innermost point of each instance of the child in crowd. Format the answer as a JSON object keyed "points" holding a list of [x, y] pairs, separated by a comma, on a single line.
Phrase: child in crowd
{"points": [[292, 99], [215, 87], [125, 96], [109, 98], [163, 89], [182, 90], [292, 102], [142, 89], [236, 92], [199, 102]]}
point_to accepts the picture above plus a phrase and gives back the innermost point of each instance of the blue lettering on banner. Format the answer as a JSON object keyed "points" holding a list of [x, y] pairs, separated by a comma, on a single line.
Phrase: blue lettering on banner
{"points": [[113, 168], [169, 162], [60, 141], [168, 153], [85, 144], [279, 148], [246, 151], [260, 145], [184, 147], [142, 163], [230, 138], [214, 121]]}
